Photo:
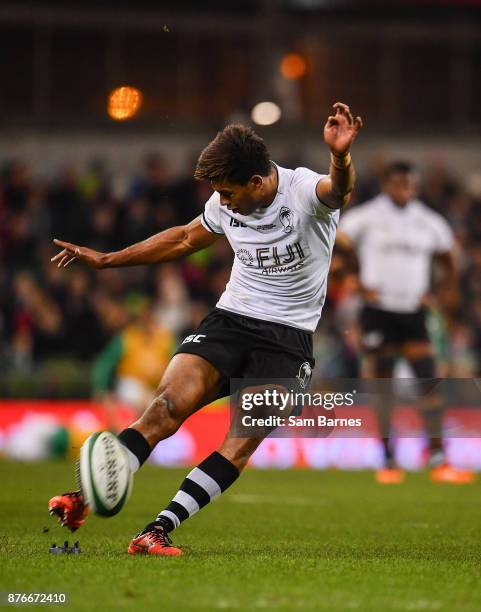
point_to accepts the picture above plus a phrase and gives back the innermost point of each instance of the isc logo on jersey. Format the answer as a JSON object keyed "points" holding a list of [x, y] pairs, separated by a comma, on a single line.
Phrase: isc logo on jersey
{"points": [[194, 338], [104, 473]]}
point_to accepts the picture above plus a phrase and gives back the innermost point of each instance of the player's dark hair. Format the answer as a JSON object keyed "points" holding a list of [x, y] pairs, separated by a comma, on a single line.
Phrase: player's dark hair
{"points": [[398, 167], [235, 155]]}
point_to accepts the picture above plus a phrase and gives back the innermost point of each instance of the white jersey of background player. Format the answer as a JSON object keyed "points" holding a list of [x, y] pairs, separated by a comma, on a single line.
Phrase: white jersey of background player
{"points": [[395, 246]]}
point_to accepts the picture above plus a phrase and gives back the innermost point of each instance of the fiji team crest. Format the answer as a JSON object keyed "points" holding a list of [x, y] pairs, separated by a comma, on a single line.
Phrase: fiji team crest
{"points": [[286, 218]]}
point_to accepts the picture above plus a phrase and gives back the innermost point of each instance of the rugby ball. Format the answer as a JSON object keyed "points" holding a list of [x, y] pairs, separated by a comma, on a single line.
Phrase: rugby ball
{"points": [[104, 473]]}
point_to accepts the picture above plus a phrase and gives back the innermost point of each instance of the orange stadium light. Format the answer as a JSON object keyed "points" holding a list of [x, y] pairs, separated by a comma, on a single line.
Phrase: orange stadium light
{"points": [[124, 102], [293, 66]]}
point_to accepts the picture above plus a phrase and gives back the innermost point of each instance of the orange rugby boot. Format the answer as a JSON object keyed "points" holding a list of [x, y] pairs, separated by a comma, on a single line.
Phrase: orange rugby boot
{"points": [[449, 474], [390, 475], [70, 508], [153, 541]]}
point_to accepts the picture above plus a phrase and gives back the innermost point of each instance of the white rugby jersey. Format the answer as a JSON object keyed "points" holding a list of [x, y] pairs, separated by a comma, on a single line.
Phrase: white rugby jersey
{"points": [[395, 247], [282, 252]]}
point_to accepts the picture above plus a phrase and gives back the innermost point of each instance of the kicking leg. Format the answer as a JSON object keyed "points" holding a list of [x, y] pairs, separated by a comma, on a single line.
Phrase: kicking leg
{"points": [[189, 383]]}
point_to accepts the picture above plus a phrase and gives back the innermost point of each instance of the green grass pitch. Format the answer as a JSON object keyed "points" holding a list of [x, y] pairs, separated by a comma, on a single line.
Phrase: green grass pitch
{"points": [[278, 540]]}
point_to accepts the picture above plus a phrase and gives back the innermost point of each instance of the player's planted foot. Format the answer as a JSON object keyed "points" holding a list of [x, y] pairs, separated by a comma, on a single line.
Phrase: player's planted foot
{"points": [[153, 541], [70, 508]]}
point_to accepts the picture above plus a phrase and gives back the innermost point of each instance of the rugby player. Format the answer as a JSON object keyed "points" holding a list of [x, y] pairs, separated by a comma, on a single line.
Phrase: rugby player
{"points": [[396, 237], [281, 225]]}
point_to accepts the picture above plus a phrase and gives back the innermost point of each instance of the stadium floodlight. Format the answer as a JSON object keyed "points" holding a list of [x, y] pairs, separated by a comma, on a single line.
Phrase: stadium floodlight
{"points": [[266, 113], [293, 66], [124, 102]]}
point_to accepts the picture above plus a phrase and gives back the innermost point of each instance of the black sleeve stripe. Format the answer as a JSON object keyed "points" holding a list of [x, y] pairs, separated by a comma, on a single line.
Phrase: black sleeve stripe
{"points": [[210, 227], [327, 205]]}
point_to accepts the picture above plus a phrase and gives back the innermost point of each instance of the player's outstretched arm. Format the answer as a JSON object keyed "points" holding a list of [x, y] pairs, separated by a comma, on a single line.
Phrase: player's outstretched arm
{"points": [[339, 133], [168, 245]]}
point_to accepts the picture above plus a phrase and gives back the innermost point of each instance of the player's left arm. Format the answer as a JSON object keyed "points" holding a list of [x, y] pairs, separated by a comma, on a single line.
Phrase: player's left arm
{"points": [[445, 289], [339, 133]]}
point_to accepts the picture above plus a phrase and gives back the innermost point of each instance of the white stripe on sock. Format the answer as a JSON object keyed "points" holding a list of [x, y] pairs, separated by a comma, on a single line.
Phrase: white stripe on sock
{"points": [[170, 515], [205, 481], [187, 501]]}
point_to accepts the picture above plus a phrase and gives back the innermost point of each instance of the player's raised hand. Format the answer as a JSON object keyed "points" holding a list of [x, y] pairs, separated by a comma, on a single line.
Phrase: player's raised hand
{"points": [[341, 129], [72, 252]]}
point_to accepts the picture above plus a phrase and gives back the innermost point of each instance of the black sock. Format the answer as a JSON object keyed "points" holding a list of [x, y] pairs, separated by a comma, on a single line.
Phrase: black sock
{"points": [[203, 484], [137, 446]]}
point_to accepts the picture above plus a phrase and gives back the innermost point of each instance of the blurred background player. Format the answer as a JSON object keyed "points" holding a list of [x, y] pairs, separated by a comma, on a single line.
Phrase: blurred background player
{"points": [[397, 238], [130, 366]]}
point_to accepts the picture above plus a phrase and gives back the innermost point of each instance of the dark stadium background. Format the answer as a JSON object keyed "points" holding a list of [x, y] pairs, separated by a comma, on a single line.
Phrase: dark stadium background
{"points": [[410, 69]]}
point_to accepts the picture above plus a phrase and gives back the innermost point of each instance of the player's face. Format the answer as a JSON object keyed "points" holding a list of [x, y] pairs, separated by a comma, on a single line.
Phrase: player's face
{"points": [[401, 187], [242, 199]]}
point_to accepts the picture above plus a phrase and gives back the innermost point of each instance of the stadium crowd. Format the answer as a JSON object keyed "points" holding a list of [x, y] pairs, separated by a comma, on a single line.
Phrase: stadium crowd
{"points": [[47, 313]]}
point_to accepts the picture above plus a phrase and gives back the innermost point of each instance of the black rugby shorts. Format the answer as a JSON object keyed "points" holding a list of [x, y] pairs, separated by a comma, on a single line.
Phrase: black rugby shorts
{"points": [[245, 347]]}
